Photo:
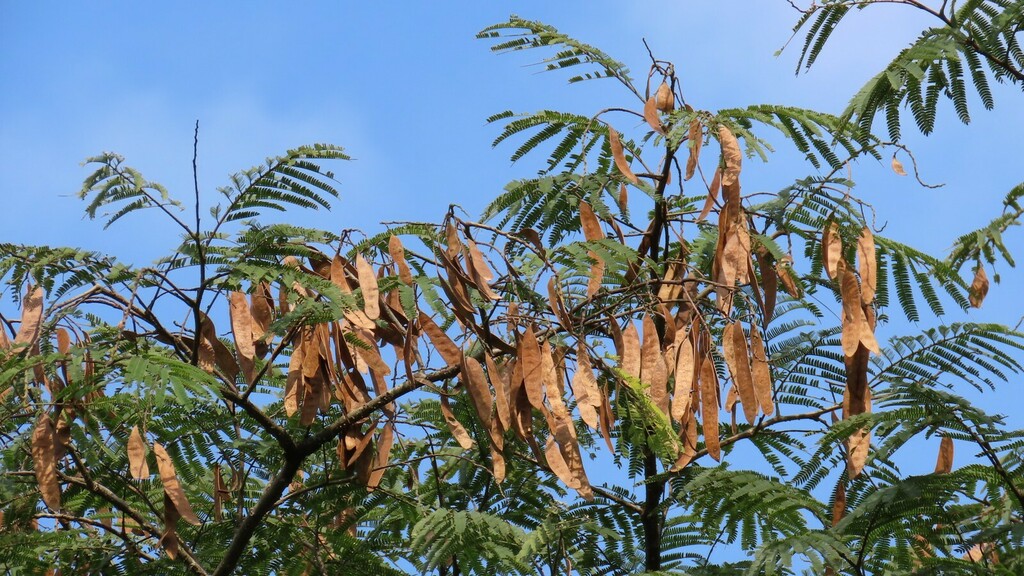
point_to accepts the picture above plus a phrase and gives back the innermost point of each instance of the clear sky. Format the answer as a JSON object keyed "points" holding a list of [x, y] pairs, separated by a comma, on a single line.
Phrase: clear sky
{"points": [[405, 87]]}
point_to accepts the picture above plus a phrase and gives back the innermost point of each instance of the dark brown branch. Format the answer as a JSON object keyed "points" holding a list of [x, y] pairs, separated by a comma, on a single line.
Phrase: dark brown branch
{"points": [[268, 500], [100, 525], [117, 502]]}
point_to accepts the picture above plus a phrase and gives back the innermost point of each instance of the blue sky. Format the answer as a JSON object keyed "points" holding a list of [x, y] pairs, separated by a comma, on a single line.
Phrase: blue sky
{"points": [[405, 87]]}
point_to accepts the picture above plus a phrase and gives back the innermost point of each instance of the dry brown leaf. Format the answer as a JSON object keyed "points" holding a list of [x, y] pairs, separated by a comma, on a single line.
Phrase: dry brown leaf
{"points": [[585, 388], [856, 328], [370, 353], [479, 393], [397, 252], [760, 371], [858, 446], [311, 348], [716, 185], [733, 251], [383, 456], [982, 552], [522, 416], [368, 285], [944, 464], [454, 243], [5, 340], [556, 303], [732, 157], [857, 400], [664, 99], [669, 340], [652, 116], [607, 418], [458, 295], [867, 265], [596, 276], [552, 383], [242, 329], [457, 429], [769, 283], [481, 272], [262, 306], [294, 385], [857, 394], [31, 317], [574, 460], [137, 464], [683, 388], [561, 424], [311, 402], [629, 356], [979, 287], [688, 435], [831, 249], [221, 494], [557, 464], [696, 139], [44, 460], [531, 360], [731, 399], [213, 353], [444, 345], [737, 358], [282, 300], [653, 372], [897, 167], [498, 464], [839, 504], [709, 401], [169, 539], [500, 380], [63, 341], [619, 155], [531, 236], [784, 270], [671, 286], [339, 277], [172, 488], [592, 230], [62, 433], [353, 449]]}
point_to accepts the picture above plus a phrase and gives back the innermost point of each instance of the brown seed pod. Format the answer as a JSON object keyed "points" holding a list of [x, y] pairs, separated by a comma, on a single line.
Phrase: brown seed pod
{"points": [[664, 99]]}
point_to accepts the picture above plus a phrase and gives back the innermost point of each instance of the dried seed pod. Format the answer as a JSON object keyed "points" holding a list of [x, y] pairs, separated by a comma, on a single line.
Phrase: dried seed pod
{"points": [[979, 287], [45, 461], [897, 167], [137, 464], [665, 100]]}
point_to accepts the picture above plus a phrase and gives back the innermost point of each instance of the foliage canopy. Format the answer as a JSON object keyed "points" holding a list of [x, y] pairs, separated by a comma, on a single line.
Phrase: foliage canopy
{"points": [[442, 397]]}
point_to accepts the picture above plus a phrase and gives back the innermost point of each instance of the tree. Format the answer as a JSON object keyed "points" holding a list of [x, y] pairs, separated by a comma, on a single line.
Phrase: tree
{"points": [[600, 303]]}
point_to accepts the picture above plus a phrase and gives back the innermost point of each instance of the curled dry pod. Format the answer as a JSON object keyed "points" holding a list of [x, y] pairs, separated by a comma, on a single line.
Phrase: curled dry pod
{"points": [[172, 486], [944, 464], [137, 464], [732, 157], [31, 317], [979, 287], [665, 100], [831, 249], [619, 155], [897, 167], [45, 461], [651, 114]]}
